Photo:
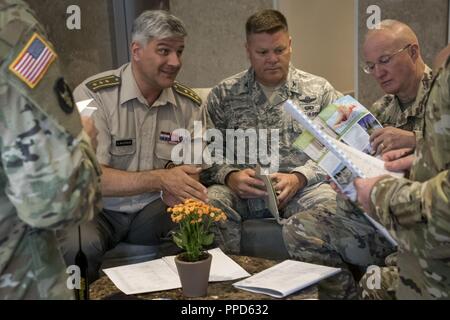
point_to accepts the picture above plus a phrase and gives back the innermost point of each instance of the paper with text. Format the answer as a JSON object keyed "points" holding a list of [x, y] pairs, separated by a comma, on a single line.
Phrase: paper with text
{"points": [[143, 277], [161, 274], [342, 151], [286, 278], [223, 268]]}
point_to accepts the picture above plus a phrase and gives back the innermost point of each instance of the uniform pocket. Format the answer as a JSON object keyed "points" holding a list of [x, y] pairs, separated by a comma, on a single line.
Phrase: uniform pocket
{"points": [[122, 152], [163, 153], [123, 146], [310, 110]]}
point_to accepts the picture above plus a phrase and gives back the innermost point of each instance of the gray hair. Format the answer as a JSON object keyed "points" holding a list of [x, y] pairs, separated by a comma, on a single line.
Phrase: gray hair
{"points": [[156, 24]]}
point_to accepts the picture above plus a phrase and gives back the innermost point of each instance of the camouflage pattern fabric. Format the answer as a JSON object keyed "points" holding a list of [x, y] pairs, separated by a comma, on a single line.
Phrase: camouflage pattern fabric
{"points": [[324, 237], [389, 111], [239, 102], [417, 210], [391, 114], [312, 231], [388, 281], [48, 173]]}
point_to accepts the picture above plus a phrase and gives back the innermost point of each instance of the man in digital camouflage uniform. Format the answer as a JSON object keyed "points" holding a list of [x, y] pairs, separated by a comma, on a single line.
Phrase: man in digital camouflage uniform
{"points": [[48, 176], [393, 58], [416, 210], [254, 99]]}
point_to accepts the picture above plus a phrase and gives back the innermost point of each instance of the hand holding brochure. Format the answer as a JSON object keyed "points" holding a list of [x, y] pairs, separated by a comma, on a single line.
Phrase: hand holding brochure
{"points": [[338, 140], [271, 199], [286, 278]]}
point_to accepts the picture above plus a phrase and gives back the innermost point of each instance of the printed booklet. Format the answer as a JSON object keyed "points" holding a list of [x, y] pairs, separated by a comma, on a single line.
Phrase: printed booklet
{"points": [[286, 278], [338, 140]]}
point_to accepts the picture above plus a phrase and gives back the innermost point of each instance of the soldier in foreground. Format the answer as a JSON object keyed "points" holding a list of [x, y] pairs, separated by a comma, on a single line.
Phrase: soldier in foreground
{"points": [[416, 210], [49, 178], [393, 57]]}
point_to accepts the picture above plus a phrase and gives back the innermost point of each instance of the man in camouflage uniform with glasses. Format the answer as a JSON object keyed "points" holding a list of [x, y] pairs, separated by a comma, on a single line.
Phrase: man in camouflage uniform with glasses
{"points": [[393, 58], [416, 210]]}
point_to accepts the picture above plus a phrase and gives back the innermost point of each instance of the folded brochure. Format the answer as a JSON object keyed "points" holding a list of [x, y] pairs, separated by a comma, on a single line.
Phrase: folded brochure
{"points": [[271, 198], [286, 278]]}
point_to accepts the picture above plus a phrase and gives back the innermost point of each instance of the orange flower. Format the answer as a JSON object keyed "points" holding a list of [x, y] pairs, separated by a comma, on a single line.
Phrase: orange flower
{"points": [[194, 218]]}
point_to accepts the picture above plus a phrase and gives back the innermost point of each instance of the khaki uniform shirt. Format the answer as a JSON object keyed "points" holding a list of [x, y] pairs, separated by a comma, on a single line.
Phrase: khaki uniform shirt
{"points": [[132, 134]]}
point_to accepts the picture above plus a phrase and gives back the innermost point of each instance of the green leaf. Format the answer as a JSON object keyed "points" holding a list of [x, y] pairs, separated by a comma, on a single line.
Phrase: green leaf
{"points": [[185, 237], [178, 241], [208, 239]]}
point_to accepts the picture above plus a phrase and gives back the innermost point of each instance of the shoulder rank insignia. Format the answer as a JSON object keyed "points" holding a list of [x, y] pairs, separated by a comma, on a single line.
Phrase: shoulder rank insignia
{"points": [[187, 92], [33, 61], [103, 83]]}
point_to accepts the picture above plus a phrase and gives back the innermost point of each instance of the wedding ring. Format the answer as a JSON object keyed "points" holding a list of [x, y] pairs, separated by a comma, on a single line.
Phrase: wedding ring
{"points": [[382, 146]]}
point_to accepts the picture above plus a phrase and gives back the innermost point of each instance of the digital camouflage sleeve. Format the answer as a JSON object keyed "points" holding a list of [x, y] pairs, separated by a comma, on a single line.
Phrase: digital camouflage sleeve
{"points": [[418, 210], [49, 178]]}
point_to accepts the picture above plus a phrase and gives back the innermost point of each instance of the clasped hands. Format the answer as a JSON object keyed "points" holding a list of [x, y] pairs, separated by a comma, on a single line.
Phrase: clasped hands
{"points": [[181, 183], [247, 186]]}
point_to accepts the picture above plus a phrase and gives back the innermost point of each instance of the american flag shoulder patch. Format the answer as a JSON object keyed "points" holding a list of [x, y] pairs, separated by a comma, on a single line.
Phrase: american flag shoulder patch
{"points": [[33, 61]]}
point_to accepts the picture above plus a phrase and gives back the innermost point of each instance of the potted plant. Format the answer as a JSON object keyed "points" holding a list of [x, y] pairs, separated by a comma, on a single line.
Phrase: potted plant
{"points": [[193, 264]]}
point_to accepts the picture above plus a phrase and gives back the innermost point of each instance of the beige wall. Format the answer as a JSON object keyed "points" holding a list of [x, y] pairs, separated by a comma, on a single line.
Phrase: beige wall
{"points": [[322, 32], [323, 38], [215, 45], [82, 52]]}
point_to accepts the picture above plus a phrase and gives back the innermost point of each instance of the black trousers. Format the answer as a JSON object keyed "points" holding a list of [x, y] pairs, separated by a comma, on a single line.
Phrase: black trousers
{"points": [[150, 226]]}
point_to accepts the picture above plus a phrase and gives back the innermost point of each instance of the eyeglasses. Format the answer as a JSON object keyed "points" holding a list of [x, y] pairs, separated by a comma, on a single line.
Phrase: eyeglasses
{"points": [[384, 60]]}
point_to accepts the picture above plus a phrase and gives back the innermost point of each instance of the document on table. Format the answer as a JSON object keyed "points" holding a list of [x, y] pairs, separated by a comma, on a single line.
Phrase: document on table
{"points": [[148, 276], [286, 278], [161, 274], [223, 268]]}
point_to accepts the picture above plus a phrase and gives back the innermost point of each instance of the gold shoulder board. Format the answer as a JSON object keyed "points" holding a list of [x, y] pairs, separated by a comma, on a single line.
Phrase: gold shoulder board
{"points": [[103, 83], [187, 92]]}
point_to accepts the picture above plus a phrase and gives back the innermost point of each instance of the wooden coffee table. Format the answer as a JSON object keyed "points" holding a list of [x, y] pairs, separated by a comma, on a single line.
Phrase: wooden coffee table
{"points": [[103, 288]]}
